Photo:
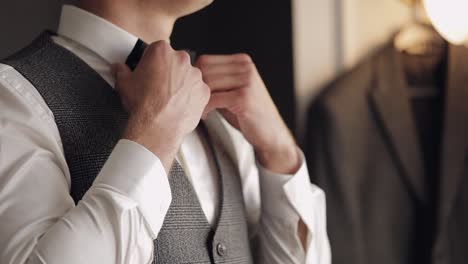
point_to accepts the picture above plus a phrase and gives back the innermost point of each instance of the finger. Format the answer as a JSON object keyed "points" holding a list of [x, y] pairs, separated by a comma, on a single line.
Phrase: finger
{"points": [[221, 100], [155, 52], [227, 68], [184, 57], [203, 94], [223, 59], [120, 71], [222, 82]]}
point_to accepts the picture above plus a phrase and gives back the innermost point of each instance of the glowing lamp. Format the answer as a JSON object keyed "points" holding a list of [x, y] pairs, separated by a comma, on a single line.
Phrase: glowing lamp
{"points": [[450, 19]]}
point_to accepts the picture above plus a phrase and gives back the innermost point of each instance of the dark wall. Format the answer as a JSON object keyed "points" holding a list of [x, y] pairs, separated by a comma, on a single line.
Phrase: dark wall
{"points": [[261, 28], [22, 20]]}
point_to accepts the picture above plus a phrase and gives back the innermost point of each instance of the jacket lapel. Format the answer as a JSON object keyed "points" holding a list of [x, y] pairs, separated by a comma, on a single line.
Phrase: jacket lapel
{"points": [[391, 102], [456, 129]]}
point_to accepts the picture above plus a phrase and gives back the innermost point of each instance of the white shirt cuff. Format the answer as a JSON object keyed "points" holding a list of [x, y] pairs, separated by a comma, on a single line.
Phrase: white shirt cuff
{"points": [[279, 191], [135, 172], [290, 197]]}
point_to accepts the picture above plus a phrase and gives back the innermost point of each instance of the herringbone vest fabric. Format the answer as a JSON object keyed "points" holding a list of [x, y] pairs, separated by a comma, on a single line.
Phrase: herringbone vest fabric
{"points": [[90, 119]]}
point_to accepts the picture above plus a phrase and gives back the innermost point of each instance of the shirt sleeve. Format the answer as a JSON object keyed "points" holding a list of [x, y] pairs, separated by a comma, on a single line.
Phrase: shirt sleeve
{"points": [[286, 199], [115, 222], [275, 203]]}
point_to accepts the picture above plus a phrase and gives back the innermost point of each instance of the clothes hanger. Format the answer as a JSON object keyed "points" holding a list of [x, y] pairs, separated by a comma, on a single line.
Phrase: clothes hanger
{"points": [[418, 37], [423, 50]]}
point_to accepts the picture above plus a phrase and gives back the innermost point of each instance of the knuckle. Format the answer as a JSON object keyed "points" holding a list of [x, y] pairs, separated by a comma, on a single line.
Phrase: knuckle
{"points": [[207, 88], [162, 44], [153, 47], [248, 66], [197, 73], [243, 57], [184, 57], [206, 91], [159, 47]]}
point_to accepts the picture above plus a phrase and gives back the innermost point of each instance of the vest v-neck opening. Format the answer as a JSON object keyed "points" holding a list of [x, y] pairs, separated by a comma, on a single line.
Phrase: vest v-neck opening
{"points": [[216, 160], [212, 150]]}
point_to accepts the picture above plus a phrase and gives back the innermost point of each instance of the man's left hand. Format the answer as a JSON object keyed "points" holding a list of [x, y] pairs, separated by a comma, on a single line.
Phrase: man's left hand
{"points": [[240, 95]]}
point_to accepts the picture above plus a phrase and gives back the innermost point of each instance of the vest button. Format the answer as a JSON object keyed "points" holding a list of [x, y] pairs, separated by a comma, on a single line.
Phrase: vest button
{"points": [[221, 249]]}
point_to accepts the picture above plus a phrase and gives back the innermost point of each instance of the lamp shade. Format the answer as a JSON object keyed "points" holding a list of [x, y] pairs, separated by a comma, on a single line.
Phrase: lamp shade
{"points": [[449, 18]]}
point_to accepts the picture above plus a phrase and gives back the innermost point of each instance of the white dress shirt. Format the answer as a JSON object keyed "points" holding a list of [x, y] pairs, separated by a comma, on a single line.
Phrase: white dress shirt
{"points": [[122, 213]]}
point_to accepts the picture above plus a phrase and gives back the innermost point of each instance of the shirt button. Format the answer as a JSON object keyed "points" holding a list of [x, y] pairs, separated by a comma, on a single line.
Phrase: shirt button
{"points": [[221, 249]]}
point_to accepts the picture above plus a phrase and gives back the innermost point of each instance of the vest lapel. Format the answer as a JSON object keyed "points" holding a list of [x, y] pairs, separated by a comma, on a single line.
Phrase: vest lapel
{"points": [[455, 131], [390, 101], [232, 219], [214, 130]]}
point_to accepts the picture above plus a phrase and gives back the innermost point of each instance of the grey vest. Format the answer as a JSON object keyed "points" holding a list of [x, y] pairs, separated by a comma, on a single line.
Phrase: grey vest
{"points": [[90, 119]]}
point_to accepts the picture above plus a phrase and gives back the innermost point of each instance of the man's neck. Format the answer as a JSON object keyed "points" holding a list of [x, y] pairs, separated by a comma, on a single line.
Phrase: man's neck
{"points": [[148, 25]]}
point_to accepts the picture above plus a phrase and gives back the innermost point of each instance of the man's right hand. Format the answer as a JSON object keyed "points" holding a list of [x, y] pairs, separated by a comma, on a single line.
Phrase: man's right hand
{"points": [[165, 97]]}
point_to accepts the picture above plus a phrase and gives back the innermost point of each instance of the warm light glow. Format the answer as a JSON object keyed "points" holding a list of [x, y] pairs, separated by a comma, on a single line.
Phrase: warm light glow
{"points": [[450, 18]]}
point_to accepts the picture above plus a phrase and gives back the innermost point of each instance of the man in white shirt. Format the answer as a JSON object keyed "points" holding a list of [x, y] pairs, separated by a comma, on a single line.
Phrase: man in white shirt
{"points": [[83, 181]]}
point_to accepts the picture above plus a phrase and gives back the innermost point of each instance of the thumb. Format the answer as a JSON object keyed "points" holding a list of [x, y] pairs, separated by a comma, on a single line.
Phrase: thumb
{"points": [[120, 72]]}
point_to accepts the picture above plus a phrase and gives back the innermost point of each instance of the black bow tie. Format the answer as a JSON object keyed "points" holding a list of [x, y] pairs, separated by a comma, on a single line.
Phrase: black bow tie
{"points": [[134, 58], [137, 52]]}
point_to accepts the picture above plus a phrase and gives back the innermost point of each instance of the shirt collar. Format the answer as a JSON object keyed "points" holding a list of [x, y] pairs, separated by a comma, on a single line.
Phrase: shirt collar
{"points": [[102, 37]]}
